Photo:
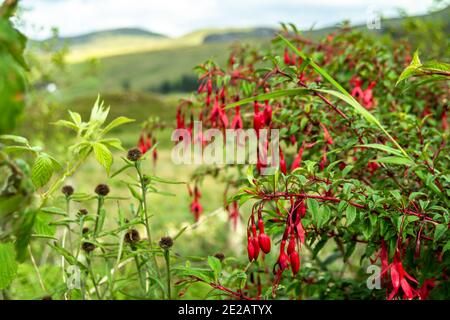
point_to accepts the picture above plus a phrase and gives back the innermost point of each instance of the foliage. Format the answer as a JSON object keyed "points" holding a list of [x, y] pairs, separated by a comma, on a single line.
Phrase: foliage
{"points": [[12, 68], [353, 181]]}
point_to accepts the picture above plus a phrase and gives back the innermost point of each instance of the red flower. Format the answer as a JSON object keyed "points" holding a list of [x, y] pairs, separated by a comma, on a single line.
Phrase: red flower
{"points": [[267, 113], [237, 122], [295, 262], [298, 159], [326, 134], [196, 209], [282, 162]]}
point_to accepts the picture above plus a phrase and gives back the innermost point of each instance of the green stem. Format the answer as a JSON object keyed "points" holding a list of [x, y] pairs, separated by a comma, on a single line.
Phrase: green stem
{"points": [[146, 219], [97, 226], [167, 258], [91, 273]]}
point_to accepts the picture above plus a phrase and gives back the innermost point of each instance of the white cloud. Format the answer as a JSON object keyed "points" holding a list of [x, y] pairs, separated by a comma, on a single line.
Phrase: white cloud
{"points": [[177, 17]]}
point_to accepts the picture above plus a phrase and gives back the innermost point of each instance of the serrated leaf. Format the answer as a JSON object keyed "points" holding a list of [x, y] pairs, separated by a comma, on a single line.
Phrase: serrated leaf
{"points": [[216, 267], [116, 123], [103, 155], [42, 170], [67, 124], [8, 264]]}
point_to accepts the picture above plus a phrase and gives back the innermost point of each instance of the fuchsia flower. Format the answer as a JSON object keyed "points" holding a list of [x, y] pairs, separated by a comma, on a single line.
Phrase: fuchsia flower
{"points": [[234, 214], [195, 207], [258, 118], [364, 96], [145, 143], [267, 113], [368, 101], [444, 121], [298, 159], [326, 134], [399, 277], [237, 122], [282, 162]]}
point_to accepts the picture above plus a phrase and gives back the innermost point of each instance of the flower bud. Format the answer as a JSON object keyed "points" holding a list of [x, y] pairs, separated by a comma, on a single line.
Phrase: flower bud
{"points": [[134, 154], [88, 247], [67, 191], [250, 249], [291, 245], [166, 243], [264, 242], [102, 190], [132, 236], [295, 262], [256, 248], [220, 256]]}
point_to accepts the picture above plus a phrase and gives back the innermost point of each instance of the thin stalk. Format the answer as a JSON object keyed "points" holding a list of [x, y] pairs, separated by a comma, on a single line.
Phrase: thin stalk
{"points": [[167, 259], [91, 274], [144, 209], [36, 268], [97, 218]]}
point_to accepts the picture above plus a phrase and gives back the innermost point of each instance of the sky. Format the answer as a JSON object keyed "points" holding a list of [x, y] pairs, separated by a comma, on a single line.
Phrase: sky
{"points": [[178, 17]]}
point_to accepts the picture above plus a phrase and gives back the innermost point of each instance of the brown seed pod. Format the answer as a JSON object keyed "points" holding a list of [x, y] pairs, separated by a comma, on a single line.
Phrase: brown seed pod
{"points": [[220, 256], [166, 243], [132, 236], [102, 190], [134, 154], [67, 191], [88, 247]]}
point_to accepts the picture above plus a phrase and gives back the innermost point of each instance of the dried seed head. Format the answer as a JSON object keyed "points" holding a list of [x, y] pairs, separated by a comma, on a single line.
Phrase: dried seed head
{"points": [[166, 243], [88, 247], [85, 230], [83, 212], [67, 191], [132, 236], [134, 154], [220, 256], [47, 298], [102, 190]]}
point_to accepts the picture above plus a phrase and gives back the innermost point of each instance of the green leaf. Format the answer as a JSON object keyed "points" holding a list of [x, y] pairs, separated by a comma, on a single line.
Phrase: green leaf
{"points": [[411, 69], [396, 160], [166, 181], [8, 264], [42, 170], [268, 96], [67, 124], [216, 267], [24, 232], [439, 231], [112, 143], [54, 210], [446, 247], [103, 155], [364, 113], [13, 138], [313, 206], [381, 147], [350, 214], [116, 123]]}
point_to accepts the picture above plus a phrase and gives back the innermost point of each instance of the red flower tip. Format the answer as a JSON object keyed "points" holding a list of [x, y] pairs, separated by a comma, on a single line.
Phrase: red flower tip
{"points": [[295, 262], [264, 242]]}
